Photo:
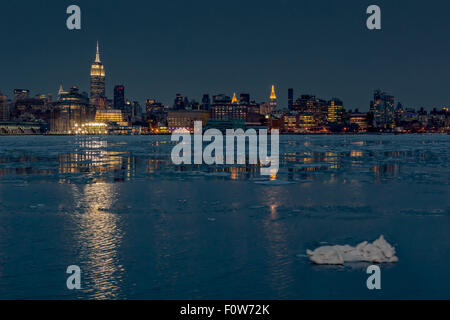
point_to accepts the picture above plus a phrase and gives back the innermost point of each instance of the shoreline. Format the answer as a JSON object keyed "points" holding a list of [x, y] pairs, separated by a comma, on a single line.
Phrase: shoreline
{"points": [[281, 134]]}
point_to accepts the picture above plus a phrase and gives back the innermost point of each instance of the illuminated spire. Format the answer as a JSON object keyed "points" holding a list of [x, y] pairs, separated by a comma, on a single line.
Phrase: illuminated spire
{"points": [[61, 90], [97, 56], [273, 95], [234, 100]]}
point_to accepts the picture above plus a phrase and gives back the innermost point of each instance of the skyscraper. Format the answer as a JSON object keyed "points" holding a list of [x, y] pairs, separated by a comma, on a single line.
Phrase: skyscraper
{"points": [[234, 100], [273, 98], [383, 108], [290, 98], [119, 97], [97, 80]]}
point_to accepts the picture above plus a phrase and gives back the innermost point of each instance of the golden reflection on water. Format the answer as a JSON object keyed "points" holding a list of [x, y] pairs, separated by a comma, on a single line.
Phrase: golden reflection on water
{"points": [[99, 233], [275, 232], [99, 239]]}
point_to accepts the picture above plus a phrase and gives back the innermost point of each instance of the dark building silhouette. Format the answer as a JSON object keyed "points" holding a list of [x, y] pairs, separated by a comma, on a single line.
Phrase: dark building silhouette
{"points": [[244, 99], [119, 97], [206, 102], [290, 98], [179, 103]]}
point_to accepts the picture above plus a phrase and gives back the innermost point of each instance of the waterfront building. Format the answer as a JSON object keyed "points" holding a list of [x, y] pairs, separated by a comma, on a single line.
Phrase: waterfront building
{"points": [[306, 121], [290, 122], [70, 112], [109, 116], [223, 108], [312, 105], [383, 109], [335, 111], [359, 119], [184, 119]]}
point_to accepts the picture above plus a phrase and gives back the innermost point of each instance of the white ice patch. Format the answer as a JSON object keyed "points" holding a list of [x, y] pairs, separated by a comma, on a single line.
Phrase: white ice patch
{"points": [[380, 251]]}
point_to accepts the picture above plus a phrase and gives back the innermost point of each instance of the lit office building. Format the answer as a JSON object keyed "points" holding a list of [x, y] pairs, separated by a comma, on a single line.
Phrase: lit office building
{"points": [[184, 119], [383, 109], [359, 119], [335, 111], [223, 108], [306, 121], [109, 116]]}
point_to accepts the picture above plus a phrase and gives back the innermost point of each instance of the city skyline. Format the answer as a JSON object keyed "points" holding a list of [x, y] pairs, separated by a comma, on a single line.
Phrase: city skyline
{"points": [[161, 51], [98, 90]]}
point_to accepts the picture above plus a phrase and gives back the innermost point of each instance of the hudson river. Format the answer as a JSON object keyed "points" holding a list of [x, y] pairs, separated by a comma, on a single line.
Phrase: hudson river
{"points": [[140, 227]]}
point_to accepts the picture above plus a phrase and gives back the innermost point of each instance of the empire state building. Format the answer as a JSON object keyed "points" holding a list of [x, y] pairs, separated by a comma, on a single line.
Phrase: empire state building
{"points": [[97, 81]]}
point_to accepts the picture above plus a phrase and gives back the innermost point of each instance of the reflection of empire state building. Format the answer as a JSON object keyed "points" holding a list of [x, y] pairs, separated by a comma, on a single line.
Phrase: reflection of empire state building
{"points": [[98, 98]]}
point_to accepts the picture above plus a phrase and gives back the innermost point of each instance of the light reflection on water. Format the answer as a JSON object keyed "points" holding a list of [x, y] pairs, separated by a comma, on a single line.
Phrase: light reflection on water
{"points": [[117, 159], [98, 239], [141, 227]]}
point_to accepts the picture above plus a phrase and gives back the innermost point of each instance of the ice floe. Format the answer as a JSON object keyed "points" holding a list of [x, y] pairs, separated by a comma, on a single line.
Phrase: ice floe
{"points": [[380, 251]]}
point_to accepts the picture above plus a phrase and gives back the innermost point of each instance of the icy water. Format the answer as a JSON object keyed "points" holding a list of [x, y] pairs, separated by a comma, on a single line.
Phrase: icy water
{"points": [[142, 228]]}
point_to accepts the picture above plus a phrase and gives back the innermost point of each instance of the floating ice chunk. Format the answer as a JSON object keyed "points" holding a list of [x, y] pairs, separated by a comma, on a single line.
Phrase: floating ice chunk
{"points": [[380, 251]]}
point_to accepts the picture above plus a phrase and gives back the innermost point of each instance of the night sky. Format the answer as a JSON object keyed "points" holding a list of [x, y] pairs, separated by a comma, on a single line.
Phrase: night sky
{"points": [[160, 48]]}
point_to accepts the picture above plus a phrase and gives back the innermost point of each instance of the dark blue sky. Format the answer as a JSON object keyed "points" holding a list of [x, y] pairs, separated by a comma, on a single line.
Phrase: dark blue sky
{"points": [[159, 48]]}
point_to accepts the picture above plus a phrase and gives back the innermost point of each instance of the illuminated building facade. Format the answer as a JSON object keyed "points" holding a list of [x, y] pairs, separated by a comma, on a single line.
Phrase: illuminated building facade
{"points": [[312, 105], [184, 119], [234, 100], [273, 98], [223, 108], [306, 121], [359, 119], [290, 122], [70, 111], [109, 116], [97, 81], [335, 111], [383, 109]]}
